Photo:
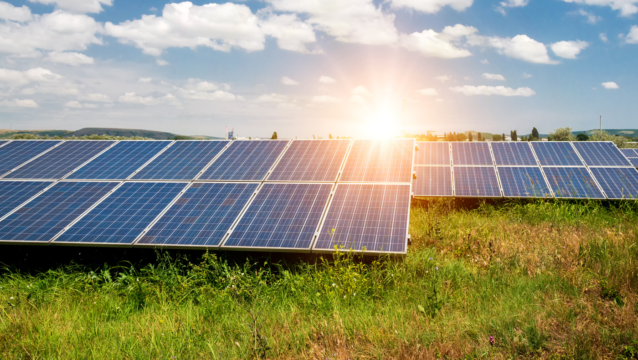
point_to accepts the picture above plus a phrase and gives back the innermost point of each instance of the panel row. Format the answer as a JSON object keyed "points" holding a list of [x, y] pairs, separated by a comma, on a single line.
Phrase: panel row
{"points": [[631, 155]]}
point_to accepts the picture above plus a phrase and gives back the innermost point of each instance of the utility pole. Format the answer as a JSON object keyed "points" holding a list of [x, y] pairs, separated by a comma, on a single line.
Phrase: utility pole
{"points": [[601, 128]]}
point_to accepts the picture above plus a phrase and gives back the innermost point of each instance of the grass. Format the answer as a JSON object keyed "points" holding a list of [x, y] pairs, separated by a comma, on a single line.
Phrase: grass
{"points": [[541, 279]]}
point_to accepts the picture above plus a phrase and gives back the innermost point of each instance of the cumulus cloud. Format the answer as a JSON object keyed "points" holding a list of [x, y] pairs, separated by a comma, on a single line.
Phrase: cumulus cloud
{"points": [[492, 90], [73, 104], [493, 77], [95, 97], [272, 98], [632, 37], [626, 7], [428, 92], [610, 85], [19, 78], [360, 90], [77, 6], [603, 37], [288, 81], [431, 6], [291, 33], [327, 80], [485, 62], [161, 62], [442, 45], [24, 103], [133, 98], [526, 76], [69, 58], [520, 47], [442, 78], [510, 4], [569, 49], [324, 99], [144, 80], [14, 13], [591, 17]]}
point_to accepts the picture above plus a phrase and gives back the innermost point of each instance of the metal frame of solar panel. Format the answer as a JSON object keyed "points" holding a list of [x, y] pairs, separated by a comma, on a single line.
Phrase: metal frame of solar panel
{"points": [[356, 175], [472, 156], [286, 160]]}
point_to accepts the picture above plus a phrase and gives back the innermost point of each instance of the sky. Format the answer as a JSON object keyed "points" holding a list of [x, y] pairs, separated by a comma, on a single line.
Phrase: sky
{"points": [[357, 68]]}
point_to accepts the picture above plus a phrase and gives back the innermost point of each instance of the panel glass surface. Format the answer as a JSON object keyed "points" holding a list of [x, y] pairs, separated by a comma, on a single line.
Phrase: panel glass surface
{"points": [[14, 193], [311, 160], [432, 153], [513, 153], [367, 217], [283, 216], [122, 216], [572, 183], [432, 181], [556, 153], [245, 160], [182, 161], [18, 152], [201, 216], [634, 162], [629, 152], [120, 161], [387, 160], [618, 183], [476, 181], [600, 153], [471, 153], [60, 160], [523, 182], [49, 213]]}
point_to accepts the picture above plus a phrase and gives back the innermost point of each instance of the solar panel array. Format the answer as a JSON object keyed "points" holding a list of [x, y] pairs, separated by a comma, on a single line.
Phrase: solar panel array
{"points": [[630, 154]]}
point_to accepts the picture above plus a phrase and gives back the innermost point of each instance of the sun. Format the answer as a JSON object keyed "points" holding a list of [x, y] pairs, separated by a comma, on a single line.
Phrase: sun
{"points": [[384, 123]]}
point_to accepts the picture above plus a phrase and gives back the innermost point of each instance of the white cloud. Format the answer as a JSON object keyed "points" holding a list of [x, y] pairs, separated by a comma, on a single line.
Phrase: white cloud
{"points": [[95, 97], [25, 103], [442, 45], [144, 80], [492, 90], [626, 7], [361, 91], [288, 81], [14, 13], [442, 78], [73, 104], [526, 76], [632, 37], [569, 49], [591, 17], [272, 98], [18, 78], [133, 98], [161, 62], [510, 4], [603, 37], [201, 85], [327, 80], [485, 62], [431, 6], [610, 85], [520, 47], [291, 33], [428, 92], [69, 58], [77, 6], [493, 77], [324, 99]]}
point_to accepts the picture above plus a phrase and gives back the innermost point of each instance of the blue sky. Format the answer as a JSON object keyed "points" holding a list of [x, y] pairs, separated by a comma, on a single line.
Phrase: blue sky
{"points": [[304, 67]]}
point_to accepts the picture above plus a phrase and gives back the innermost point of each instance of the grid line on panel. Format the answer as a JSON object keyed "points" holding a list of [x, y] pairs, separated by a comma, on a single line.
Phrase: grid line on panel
{"points": [[600, 153], [513, 153], [523, 182], [556, 153], [471, 153], [572, 182], [18, 153], [433, 181], [617, 183], [388, 160], [15, 193], [476, 181], [311, 160], [245, 161], [498, 178], [432, 153]]}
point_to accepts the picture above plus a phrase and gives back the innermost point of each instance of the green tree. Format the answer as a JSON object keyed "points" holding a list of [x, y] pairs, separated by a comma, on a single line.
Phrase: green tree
{"points": [[274, 136], [479, 138], [562, 134], [496, 137], [469, 136], [182, 137], [513, 135], [619, 141], [330, 136], [503, 137], [535, 136], [582, 137]]}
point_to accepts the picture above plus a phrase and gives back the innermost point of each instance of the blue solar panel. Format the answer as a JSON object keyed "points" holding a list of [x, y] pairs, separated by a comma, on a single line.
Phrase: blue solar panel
{"points": [[471, 153], [600, 153], [61, 160], [49, 213], [630, 153], [432, 181], [572, 182], [432, 153], [634, 162], [367, 217], [556, 153], [122, 216], [513, 153], [618, 183], [379, 161], [120, 161], [311, 160], [201, 216], [523, 182], [18, 152], [182, 161], [282, 216], [14, 193], [475, 182], [245, 160]]}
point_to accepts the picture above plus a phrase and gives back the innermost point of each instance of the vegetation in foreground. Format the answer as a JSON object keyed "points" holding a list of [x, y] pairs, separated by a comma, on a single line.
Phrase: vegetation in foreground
{"points": [[543, 279]]}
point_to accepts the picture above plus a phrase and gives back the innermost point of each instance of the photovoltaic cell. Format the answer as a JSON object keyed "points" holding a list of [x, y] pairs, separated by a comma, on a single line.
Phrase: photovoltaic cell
{"points": [[245, 160], [572, 182], [559, 153], [387, 160], [18, 152], [14, 193], [618, 183], [471, 153], [282, 216], [513, 153], [43, 217], [600, 153], [311, 160], [629, 153], [367, 217], [634, 162], [432, 153], [182, 161], [523, 182], [120, 161], [201, 216], [60, 160], [432, 181], [122, 216], [474, 181]]}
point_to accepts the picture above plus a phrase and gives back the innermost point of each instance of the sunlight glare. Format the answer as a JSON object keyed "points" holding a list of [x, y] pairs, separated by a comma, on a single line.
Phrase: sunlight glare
{"points": [[385, 123]]}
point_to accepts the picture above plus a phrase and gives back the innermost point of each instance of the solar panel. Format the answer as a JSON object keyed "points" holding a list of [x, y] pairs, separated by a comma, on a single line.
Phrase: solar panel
{"points": [[432, 153], [311, 160], [523, 182], [182, 161], [245, 160], [387, 160], [556, 153], [120, 161], [432, 181], [282, 216], [634, 162], [600, 153], [201, 216], [471, 153], [366, 217], [572, 182], [43, 217], [123, 215], [18, 152], [513, 153], [473, 181], [14, 193], [629, 153], [618, 183], [61, 160]]}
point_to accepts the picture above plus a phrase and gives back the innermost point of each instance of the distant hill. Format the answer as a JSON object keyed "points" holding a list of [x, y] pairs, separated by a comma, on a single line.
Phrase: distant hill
{"points": [[8, 134], [152, 134]]}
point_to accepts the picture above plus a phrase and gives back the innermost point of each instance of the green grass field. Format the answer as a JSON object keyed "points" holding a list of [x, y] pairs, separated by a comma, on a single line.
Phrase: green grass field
{"points": [[542, 279]]}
